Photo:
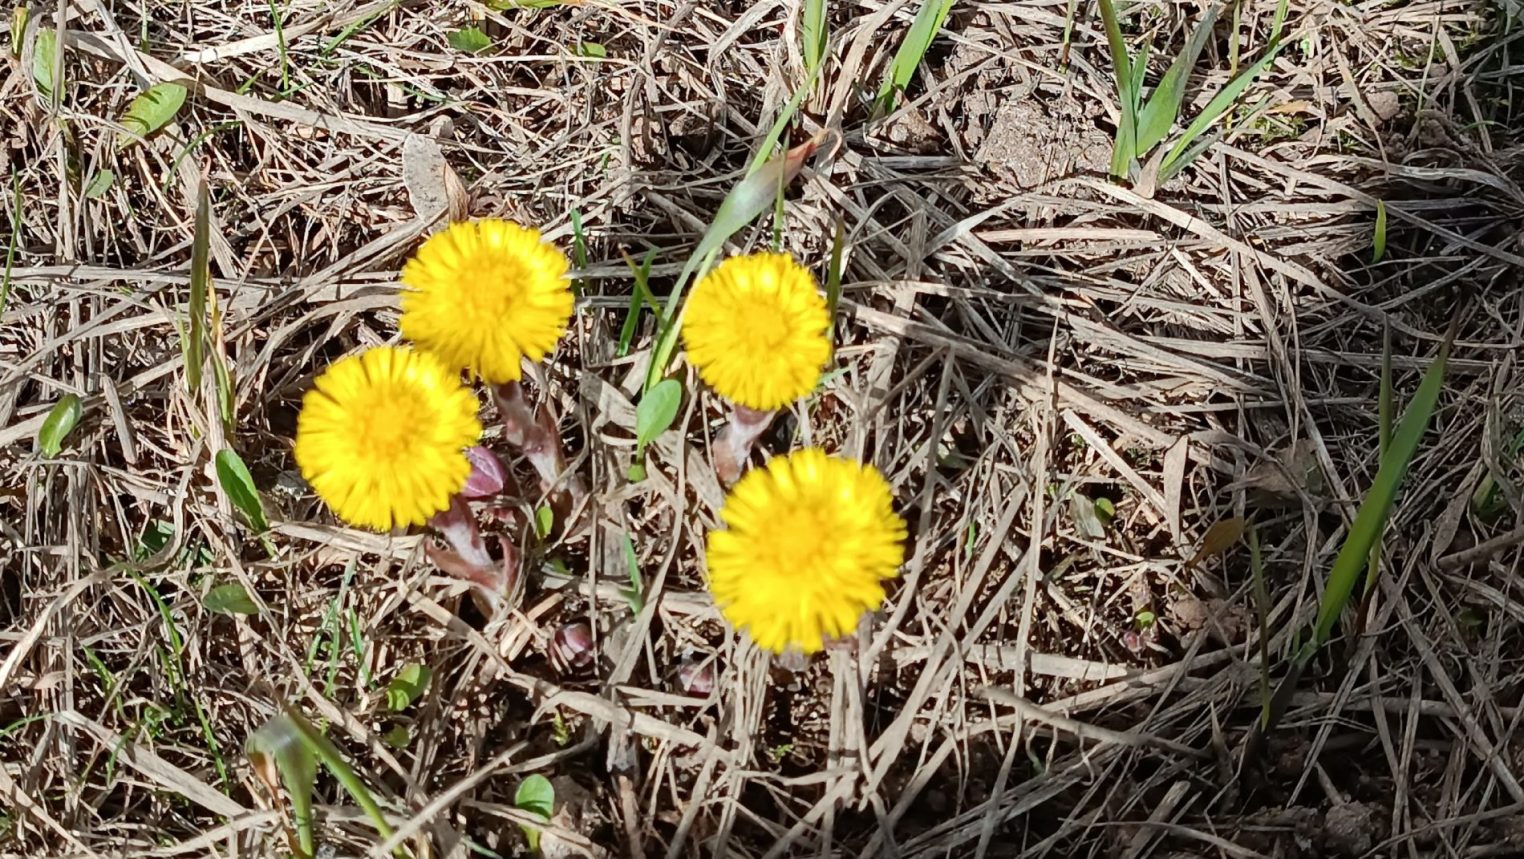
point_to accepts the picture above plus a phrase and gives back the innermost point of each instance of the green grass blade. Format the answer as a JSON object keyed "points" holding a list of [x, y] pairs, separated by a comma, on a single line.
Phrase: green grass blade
{"points": [[1158, 116], [1175, 161], [752, 196], [813, 35], [833, 278], [928, 22], [200, 284], [641, 293], [1125, 148], [15, 241], [1279, 24], [1378, 241], [1370, 519], [1384, 421]]}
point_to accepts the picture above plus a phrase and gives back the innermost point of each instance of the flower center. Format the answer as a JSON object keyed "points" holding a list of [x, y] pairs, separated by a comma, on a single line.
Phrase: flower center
{"points": [[502, 288], [388, 429], [801, 542], [765, 327]]}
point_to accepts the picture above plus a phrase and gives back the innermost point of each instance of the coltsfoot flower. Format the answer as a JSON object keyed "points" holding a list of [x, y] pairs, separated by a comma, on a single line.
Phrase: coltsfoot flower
{"points": [[382, 437], [808, 543], [755, 329], [484, 295]]}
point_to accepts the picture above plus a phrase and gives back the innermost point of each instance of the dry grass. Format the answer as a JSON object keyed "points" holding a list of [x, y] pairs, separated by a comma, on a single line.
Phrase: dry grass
{"points": [[1019, 337]]}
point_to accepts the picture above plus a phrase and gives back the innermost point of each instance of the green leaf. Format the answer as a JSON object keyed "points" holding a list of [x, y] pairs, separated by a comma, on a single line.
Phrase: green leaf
{"points": [[398, 737], [928, 22], [99, 184], [238, 483], [230, 598], [535, 795], [1158, 116], [592, 50], [408, 686], [469, 40], [150, 111], [1105, 510], [297, 748], [44, 56], [1177, 158], [544, 521], [656, 412], [813, 34], [279, 742], [61, 420], [635, 595], [1378, 244]]}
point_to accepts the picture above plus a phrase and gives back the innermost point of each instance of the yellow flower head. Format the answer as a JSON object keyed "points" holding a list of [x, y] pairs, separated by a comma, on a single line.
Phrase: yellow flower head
{"points": [[482, 295], [382, 437], [755, 329], [809, 541]]}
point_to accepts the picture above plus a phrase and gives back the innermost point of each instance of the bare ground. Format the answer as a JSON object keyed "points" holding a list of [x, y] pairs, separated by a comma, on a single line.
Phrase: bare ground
{"points": [[1019, 338]]}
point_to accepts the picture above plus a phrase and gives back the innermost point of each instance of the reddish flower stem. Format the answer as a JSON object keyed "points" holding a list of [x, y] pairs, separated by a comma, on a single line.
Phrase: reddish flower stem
{"points": [[467, 558], [537, 438], [733, 445]]}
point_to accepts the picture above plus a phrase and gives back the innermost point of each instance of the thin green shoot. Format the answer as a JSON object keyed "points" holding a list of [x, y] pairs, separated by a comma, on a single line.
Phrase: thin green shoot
{"points": [[923, 30], [355, 27], [833, 279], [1370, 521], [1384, 439], [1146, 122], [357, 647], [278, 16], [1186, 149], [1124, 148], [640, 295], [194, 346], [1378, 241], [1157, 116], [15, 241]]}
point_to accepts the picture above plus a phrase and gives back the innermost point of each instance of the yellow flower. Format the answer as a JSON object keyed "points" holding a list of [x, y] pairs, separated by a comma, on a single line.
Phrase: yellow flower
{"points": [[483, 295], [809, 541], [382, 437], [755, 329]]}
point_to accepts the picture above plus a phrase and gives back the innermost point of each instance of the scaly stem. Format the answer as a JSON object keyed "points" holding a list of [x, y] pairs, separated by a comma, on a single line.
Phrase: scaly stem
{"points": [[467, 558], [540, 443], [733, 446]]}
